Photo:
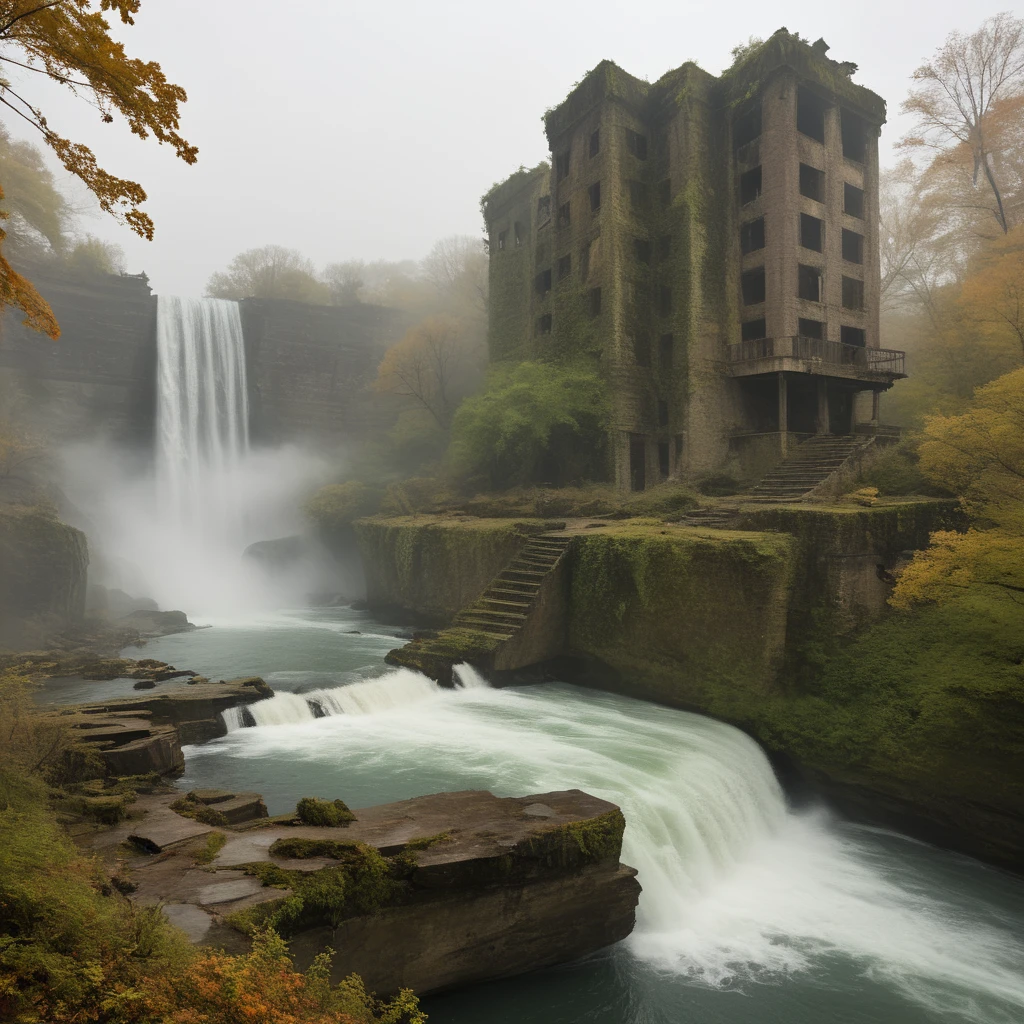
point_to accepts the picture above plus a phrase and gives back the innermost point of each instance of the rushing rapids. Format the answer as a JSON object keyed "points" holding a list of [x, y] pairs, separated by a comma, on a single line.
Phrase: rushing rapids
{"points": [[741, 894]]}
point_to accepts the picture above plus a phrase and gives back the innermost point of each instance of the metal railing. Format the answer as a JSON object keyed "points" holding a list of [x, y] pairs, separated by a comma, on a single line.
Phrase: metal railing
{"points": [[833, 353]]}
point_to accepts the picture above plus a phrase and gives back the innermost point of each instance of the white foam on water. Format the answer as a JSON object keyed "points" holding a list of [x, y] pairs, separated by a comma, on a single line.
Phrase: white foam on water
{"points": [[737, 888]]}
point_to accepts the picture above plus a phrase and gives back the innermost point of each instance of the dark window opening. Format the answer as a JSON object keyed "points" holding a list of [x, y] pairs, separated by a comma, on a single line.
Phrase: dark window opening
{"points": [[853, 293], [642, 248], [853, 247], [752, 235], [542, 282], [564, 267], [664, 247], [501, 239], [642, 349], [812, 232], [663, 459], [665, 345], [665, 191], [853, 200], [518, 233], [750, 186], [810, 328], [563, 215], [637, 195], [853, 336], [544, 324], [562, 166], [637, 293], [855, 136], [585, 261], [636, 144], [752, 284], [753, 330], [595, 196], [665, 300], [808, 283], [746, 127], [595, 301], [812, 183], [662, 413], [637, 462], [543, 209], [595, 142], [810, 114]]}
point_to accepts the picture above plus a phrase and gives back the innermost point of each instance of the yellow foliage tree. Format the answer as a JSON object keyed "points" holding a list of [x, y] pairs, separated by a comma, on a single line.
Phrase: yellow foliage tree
{"points": [[979, 455], [69, 42], [434, 365], [993, 296]]}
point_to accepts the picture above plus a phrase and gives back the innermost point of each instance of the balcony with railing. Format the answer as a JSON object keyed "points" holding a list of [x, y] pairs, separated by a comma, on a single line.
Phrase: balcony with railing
{"points": [[816, 356]]}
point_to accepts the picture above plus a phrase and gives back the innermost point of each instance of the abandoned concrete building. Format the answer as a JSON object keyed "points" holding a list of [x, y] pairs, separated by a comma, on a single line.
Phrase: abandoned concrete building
{"points": [[713, 244]]}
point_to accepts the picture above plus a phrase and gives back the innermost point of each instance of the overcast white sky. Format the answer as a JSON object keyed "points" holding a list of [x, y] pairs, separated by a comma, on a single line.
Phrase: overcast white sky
{"points": [[370, 130]]}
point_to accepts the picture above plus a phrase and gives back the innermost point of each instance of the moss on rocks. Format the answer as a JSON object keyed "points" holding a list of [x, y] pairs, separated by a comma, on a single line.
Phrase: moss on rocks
{"points": [[311, 810]]}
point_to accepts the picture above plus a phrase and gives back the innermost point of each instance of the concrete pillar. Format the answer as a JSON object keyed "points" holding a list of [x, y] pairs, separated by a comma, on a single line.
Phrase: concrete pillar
{"points": [[823, 414], [783, 412], [875, 396]]}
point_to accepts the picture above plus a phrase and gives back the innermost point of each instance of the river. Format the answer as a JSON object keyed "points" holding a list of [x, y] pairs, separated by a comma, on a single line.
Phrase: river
{"points": [[751, 911]]}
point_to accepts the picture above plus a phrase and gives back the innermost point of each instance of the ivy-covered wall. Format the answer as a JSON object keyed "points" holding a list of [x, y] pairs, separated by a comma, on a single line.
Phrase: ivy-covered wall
{"points": [[679, 614], [642, 247], [433, 566]]}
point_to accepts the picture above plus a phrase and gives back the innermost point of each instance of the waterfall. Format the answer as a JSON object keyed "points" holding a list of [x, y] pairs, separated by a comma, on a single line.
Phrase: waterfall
{"points": [[202, 415], [395, 690]]}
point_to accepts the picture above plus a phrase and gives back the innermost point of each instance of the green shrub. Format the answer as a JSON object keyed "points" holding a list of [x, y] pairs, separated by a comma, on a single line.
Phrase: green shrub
{"points": [[717, 485], [189, 807], [336, 506], [533, 422], [310, 810]]}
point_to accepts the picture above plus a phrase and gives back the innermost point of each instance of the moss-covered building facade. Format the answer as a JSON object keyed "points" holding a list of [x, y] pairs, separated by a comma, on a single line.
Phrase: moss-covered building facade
{"points": [[712, 244]]}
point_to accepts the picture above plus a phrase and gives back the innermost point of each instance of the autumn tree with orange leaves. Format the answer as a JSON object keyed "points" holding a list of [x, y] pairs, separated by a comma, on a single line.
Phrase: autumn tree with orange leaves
{"points": [[69, 42]]}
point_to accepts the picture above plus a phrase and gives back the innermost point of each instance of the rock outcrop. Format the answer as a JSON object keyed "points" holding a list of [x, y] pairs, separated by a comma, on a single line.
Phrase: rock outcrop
{"points": [[139, 735], [431, 893], [43, 566]]}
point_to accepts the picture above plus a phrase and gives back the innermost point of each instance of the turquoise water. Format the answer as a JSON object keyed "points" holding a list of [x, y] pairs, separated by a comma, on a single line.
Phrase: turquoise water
{"points": [[750, 912]]}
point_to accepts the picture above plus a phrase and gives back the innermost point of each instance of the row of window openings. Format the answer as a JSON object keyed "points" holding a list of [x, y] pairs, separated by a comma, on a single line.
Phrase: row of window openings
{"points": [[755, 330], [642, 248], [809, 287], [637, 199], [635, 144], [810, 121], [812, 236], [812, 185]]}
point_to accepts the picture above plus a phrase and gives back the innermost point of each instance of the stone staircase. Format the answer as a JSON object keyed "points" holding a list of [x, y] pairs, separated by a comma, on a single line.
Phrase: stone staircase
{"points": [[813, 462], [719, 517], [504, 606]]}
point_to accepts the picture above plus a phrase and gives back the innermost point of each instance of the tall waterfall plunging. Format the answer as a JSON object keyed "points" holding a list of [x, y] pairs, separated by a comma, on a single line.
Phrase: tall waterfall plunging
{"points": [[202, 417]]}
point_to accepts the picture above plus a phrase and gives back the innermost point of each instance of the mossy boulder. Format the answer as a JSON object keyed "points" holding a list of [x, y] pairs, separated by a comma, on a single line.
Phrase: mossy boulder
{"points": [[310, 810]]}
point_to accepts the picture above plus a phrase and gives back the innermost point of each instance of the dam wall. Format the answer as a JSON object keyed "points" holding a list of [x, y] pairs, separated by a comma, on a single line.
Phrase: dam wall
{"points": [[308, 367]]}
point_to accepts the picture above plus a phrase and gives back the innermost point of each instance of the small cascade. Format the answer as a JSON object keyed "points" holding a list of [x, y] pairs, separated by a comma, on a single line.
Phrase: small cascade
{"points": [[392, 691]]}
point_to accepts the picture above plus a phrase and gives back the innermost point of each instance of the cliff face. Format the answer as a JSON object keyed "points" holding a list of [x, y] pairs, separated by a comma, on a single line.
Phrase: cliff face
{"points": [[43, 566]]}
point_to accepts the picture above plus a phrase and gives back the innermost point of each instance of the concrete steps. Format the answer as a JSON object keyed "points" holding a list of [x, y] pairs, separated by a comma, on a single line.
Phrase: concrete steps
{"points": [[503, 608], [807, 468]]}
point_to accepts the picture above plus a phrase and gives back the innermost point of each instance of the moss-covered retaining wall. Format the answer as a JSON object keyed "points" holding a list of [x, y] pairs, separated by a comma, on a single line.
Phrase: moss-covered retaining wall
{"points": [[678, 613], [431, 567]]}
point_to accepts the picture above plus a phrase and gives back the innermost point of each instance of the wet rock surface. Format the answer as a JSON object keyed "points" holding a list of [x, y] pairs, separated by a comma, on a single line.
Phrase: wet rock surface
{"points": [[492, 886]]}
